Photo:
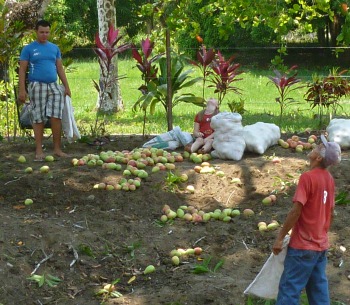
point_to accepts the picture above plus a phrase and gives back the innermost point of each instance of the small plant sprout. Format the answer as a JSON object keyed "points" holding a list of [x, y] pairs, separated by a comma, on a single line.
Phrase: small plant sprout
{"points": [[109, 291], [205, 266], [172, 180], [284, 183], [48, 279], [342, 198], [132, 248]]}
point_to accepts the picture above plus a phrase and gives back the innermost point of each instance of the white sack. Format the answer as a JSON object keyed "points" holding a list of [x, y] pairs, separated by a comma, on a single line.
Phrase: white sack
{"points": [[170, 140], [69, 125], [230, 150], [228, 140], [265, 284], [183, 136], [339, 131], [226, 121], [260, 136]]}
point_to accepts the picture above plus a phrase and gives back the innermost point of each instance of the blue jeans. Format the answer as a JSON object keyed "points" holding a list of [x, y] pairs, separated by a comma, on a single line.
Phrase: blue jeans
{"points": [[304, 269]]}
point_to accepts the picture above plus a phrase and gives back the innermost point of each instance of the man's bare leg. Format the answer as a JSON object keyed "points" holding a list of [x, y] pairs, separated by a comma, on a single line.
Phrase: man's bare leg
{"points": [[56, 127], [38, 129]]}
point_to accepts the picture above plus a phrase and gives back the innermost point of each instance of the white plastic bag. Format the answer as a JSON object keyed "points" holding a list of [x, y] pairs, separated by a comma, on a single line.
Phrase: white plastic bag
{"points": [[260, 136], [170, 140], [265, 284], [339, 132], [228, 140], [25, 119]]}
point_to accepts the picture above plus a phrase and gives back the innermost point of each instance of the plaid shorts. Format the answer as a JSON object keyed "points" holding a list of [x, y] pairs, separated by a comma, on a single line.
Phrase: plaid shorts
{"points": [[46, 100]]}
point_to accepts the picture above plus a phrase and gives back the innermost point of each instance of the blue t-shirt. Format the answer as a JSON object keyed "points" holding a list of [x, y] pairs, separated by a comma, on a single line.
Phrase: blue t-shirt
{"points": [[41, 58]]}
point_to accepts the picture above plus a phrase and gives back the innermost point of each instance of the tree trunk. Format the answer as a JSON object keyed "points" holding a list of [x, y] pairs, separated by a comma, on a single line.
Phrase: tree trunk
{"points": [[111, 102], [334, 29], [169, 81]]}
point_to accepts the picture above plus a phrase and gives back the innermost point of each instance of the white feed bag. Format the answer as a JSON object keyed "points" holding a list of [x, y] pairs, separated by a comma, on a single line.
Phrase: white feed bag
{"points": [[339, 131], [265, 284], [228, 140], [226, 120], [183, 136], [260, 136], [229, 150]]}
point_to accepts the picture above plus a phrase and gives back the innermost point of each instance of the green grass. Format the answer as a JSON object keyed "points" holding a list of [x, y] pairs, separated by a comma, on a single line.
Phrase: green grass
{"points": [[259, 96]]}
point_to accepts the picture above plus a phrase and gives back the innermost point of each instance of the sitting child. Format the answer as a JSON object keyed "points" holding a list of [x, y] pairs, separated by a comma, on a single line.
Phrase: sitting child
{"points": [[202, 131]]}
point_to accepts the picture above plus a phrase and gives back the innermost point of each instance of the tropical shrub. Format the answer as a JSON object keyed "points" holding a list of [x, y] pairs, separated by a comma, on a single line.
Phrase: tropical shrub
{"points": [[204, 59], [157, 89], [105, 54], [326, 93], [285, 85], [223, 74]]}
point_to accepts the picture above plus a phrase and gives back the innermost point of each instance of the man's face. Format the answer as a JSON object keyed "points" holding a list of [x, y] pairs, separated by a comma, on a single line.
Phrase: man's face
{"points": [[314, 155], [43, 33]]}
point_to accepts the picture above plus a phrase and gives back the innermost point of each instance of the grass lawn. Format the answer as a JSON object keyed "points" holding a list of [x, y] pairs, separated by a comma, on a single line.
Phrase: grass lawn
{"points": [[258, 95]]}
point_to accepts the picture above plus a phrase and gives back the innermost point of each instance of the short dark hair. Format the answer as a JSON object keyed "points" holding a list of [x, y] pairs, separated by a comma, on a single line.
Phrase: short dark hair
{"points": [[42, 23]]}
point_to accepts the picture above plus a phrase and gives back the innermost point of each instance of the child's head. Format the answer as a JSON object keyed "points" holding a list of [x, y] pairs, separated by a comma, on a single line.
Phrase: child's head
{"points": [[212, 105]]}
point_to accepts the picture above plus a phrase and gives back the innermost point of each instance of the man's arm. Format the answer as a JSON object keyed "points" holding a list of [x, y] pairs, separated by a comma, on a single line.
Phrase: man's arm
{"points": [[62, 75], [290, 221], [22, 94]]}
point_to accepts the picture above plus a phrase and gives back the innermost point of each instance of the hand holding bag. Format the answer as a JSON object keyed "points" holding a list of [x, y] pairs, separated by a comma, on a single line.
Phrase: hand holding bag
{"points": [[25, 117]]}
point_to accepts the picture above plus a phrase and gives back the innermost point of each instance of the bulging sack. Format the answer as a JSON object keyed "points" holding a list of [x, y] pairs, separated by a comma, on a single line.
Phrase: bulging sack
{"points": [[339, 132], [260, 136], [265, 284], [228, 141]]}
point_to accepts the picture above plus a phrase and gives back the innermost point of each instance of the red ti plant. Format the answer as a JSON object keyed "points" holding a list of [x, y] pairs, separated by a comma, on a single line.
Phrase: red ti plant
{"points": [[204, 59], [284, 84], [106, 53], [144, 64], [224, 73]]}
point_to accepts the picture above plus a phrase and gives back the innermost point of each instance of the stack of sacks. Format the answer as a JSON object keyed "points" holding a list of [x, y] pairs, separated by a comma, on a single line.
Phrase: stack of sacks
{"points": [[228, 136], [260, 136], [339, 132]]}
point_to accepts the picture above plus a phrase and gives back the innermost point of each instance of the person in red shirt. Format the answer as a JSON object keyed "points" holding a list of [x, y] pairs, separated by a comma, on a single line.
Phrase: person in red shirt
{"points": [[203, 133], [310, 219]]}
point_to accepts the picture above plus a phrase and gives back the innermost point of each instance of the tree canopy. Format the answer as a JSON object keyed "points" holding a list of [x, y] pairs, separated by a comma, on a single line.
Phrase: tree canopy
{"points": [[328, 18]]}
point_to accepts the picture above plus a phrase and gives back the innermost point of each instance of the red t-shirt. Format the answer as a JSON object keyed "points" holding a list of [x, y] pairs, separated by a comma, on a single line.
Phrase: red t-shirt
{"points": [[204, 124], [315, 191]]}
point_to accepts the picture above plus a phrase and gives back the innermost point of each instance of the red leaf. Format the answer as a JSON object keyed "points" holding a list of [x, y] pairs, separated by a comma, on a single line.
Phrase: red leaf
{"points": [[136, 55], [147, 47], [98, 42], [112, 35]]}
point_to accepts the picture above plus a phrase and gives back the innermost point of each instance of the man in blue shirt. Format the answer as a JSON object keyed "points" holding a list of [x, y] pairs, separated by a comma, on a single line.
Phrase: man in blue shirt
{"points": [[43, 59]]}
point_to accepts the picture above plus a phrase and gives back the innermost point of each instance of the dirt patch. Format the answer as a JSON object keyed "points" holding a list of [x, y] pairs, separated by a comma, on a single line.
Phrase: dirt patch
{"points": [[116, 234]]}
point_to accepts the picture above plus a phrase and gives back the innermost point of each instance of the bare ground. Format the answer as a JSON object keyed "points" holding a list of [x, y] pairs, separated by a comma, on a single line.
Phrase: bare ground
{"points": [[116, 234]]}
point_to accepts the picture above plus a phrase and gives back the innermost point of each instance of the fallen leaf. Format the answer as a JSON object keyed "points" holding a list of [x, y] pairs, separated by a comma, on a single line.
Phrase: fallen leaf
{"points": [[19, 207], [133, 278]]}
